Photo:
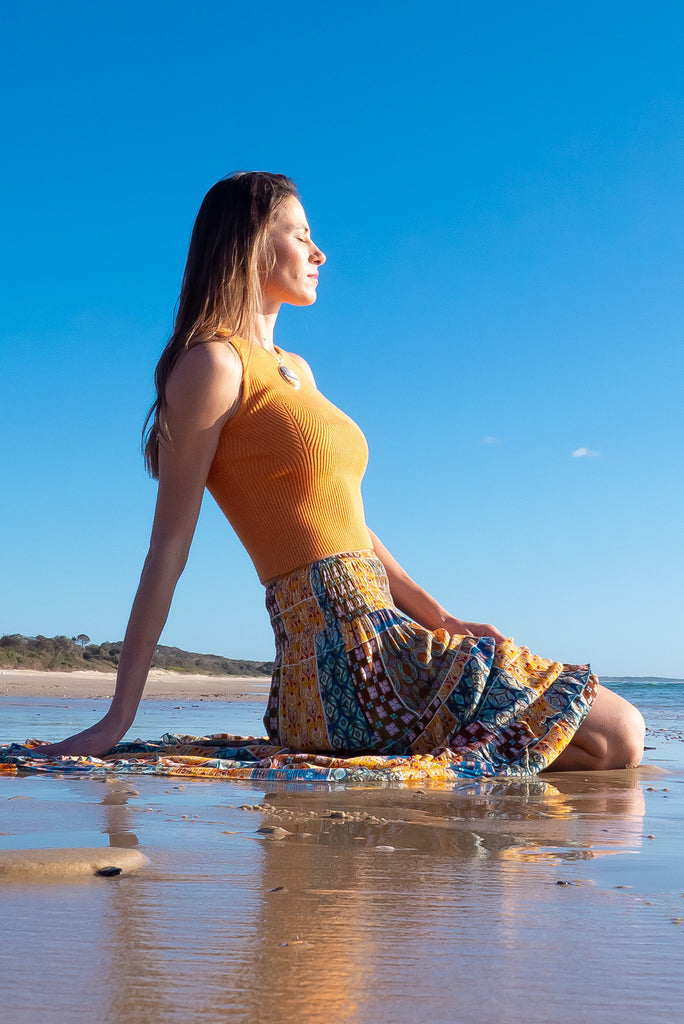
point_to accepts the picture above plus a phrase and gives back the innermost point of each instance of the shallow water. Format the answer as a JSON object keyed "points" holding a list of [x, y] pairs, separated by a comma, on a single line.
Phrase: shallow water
{"points": [[55, 719], [462, 919]]}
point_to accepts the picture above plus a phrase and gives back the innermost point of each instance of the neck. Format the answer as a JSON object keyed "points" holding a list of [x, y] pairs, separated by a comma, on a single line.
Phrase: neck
{"points": [[263, 330]]}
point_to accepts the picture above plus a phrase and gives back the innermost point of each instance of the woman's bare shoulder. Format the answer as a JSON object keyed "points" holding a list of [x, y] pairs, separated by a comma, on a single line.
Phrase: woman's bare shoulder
{"points": [[214, 353], [207, 374]]}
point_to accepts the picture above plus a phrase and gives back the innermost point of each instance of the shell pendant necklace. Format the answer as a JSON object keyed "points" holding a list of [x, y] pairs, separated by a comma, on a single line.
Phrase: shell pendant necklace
{"points": [[286, 373]]}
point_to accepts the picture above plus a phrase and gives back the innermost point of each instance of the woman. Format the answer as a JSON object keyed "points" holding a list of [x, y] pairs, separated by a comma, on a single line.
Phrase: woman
{"points": [[236, 414]]}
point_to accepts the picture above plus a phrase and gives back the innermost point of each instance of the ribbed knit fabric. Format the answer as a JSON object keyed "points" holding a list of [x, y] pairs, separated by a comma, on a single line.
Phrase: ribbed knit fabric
{"points": [[288, 468]]}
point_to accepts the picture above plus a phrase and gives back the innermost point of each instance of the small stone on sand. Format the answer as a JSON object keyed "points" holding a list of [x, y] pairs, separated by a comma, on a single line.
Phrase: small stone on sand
{"points": [[273, 831]]}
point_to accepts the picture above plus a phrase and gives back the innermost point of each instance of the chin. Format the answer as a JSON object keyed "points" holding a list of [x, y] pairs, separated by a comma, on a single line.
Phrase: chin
{"points": [[303, 300]]}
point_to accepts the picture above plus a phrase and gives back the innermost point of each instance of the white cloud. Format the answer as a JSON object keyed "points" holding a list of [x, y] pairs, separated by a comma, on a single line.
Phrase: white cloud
{"points": [[586, 453], [491, 440]]}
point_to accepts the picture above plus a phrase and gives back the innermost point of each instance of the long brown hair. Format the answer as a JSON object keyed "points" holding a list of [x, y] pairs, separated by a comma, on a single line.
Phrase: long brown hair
{"points": [[229, 247]]}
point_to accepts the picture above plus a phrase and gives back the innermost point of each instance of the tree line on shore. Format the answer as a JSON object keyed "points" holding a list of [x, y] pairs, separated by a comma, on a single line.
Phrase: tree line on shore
{"points": [[69, 654]]}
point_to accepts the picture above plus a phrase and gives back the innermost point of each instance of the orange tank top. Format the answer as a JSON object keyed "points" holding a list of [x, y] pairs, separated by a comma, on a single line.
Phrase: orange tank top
{"points": [[287, 470]]}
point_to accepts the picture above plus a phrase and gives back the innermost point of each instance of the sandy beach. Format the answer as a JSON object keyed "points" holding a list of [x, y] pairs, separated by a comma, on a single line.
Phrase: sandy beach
{"points": [[161, 685], [356, 904]]}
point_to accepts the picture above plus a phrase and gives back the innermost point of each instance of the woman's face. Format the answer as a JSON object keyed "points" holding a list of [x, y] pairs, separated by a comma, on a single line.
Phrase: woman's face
{"points": [[295, 275]]}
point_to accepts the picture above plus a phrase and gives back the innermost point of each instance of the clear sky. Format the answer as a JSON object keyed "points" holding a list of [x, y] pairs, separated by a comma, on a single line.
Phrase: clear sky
{"points": [[498, 189]]}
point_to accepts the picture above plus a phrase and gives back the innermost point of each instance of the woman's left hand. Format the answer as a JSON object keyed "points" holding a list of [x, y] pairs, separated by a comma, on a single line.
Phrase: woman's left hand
{"points": [[415, 602], [458, 627]]}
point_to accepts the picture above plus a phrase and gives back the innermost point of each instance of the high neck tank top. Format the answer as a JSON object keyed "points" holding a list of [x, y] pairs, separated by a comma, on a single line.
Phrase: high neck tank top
{"points": [[287, 470]]}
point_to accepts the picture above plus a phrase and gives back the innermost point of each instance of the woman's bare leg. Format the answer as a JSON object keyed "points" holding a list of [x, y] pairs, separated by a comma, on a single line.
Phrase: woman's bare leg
{"points": [[611, 736]]}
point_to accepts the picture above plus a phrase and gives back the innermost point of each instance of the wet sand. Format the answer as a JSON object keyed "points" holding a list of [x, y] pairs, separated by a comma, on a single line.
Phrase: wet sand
{"points": [[560, 896]]}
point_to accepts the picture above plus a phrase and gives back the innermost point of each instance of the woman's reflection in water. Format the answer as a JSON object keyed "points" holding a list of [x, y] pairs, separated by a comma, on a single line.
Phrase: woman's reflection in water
{"points": [[314, 917], [342, 903]]}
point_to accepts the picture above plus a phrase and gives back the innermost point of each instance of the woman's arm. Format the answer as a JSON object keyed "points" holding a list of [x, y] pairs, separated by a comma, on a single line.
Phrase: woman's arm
{"points": [[202, 393], [415, 602]]}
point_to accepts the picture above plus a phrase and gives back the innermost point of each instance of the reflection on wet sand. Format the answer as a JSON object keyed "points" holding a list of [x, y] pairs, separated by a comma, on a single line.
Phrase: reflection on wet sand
{"points": [[325, 904], [117, 816], [483, 818], [342, 867]]}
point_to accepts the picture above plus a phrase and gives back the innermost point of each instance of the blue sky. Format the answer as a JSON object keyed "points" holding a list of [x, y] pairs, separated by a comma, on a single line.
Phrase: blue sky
{"points": [[498, 190]]}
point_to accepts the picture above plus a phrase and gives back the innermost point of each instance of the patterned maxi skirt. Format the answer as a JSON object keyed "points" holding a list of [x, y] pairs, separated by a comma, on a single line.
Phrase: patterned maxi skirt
{"points": [[353, 675]]}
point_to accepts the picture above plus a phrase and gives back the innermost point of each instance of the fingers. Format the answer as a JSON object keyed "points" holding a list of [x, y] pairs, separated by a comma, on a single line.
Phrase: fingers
{"points": [[48, 750], [486, 629]]}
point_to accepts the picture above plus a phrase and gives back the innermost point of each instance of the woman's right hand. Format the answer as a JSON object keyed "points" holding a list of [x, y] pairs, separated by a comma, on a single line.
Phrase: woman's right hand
{"points": [[96, 741]]}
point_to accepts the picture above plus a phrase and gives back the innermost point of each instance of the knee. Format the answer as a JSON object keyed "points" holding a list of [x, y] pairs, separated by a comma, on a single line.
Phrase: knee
{"points": [[628, 739]]}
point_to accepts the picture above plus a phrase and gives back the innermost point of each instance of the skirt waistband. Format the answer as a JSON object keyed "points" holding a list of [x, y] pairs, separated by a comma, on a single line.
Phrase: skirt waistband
{"points": [[337, 587]]}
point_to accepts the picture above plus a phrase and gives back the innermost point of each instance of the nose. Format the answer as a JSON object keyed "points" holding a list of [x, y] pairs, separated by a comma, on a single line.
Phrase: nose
{"points": [[317, 256]]}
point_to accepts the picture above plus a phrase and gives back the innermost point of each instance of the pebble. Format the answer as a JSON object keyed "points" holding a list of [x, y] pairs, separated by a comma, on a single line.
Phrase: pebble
{"points": [[274, 831], [385, 849]]}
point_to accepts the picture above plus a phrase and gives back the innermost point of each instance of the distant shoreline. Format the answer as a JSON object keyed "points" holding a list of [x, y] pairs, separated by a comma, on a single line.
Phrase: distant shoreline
{"points": [[62, 654], [162, 684], [167, 684]]}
